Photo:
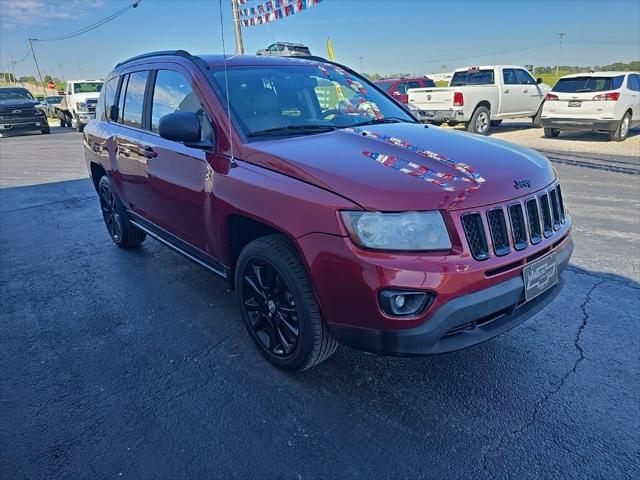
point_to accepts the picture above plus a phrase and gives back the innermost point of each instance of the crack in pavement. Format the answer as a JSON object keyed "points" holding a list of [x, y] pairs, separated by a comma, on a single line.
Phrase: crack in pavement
{"points": [[493, 450], [40, 205]]}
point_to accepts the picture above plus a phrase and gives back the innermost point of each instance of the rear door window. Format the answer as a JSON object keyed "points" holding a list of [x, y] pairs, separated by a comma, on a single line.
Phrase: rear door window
{"points": [[134, 99]]}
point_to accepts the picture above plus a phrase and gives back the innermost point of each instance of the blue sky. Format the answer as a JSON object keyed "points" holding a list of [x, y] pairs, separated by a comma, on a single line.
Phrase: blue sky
{"points": [[417, 36]]}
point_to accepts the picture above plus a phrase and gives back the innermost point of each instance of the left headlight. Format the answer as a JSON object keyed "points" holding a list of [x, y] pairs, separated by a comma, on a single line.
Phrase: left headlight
{"points": [[401, 231], [81, 107]]}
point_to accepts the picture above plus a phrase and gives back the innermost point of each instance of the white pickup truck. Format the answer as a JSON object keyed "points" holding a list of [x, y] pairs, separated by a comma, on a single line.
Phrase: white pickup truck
{"points": [[78, 105], [481, 97]]}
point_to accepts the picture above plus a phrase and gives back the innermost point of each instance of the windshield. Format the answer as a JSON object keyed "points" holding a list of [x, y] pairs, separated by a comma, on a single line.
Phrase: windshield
{"points": [[87, 87], [15, 94], [290, 98], [384, 85], [472, 77], [55, 99], [588, 84]]}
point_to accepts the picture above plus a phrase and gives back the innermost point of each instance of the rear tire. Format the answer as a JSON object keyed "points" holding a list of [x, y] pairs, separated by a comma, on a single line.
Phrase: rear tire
{"points": [[121, 231], [279, 306], [551, 132], [480, 121], [622, 132], [62, 118]]}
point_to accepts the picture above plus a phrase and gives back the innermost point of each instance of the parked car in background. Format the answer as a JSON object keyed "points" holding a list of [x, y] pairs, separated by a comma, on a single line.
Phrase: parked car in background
{"points": [[481, 97], [285, 49], [52, 104], [397, 87], [593, 102], [21, 112], [78, 104], [345, 223]]}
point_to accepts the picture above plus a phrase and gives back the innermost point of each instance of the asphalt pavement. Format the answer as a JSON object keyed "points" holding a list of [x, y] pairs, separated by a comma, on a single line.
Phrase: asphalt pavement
{"points": [[134, 364]]}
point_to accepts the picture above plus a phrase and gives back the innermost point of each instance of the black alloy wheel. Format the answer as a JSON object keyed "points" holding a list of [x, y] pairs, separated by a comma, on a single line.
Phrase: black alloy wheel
{"points": [[112, 218], [270, 307]]}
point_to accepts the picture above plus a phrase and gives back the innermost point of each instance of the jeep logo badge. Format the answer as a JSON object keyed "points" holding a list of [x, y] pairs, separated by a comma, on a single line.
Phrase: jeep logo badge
{"points": [[16, 112], [518, 184]]}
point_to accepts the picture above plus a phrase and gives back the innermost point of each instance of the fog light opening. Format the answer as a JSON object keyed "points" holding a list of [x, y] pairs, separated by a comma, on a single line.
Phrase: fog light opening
{"points": [[397, 303]]}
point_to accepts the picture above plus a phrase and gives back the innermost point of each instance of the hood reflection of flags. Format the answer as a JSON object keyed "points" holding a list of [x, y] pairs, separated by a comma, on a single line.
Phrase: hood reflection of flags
{"points": [[332, 57]]}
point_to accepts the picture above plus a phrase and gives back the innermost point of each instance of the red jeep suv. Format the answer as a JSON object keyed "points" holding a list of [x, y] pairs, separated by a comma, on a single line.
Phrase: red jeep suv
{"points": [[333, 213]]}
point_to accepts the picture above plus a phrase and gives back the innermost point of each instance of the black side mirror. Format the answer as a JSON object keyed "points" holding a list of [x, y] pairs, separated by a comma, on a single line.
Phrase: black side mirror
{"points": [[539, 80], [182, 127]]}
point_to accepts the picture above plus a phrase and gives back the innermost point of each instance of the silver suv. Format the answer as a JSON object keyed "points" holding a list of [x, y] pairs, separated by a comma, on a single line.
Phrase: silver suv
{"points": [[285, 49]]}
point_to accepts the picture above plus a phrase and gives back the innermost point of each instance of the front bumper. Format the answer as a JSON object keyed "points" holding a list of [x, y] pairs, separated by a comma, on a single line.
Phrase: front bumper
{"points": [[23, 124], [85, 118], [580, 124], [459, 323]]}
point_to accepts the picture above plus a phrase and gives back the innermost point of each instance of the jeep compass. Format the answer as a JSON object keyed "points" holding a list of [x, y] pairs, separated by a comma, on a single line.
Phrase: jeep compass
{"points": [[335, 216]]}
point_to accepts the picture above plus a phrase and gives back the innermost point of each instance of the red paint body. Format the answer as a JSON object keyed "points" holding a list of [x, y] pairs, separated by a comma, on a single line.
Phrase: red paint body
{"points": [[298, 185], [397, 87]]}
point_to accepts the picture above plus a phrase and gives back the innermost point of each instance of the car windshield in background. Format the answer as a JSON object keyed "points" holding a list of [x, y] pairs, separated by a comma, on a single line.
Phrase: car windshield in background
{"points": [[87, 87], [15, 94], [588, 84], [384, 85], [472, 77], [55, 99], [304, 50], [428, 83], [303, 99]]}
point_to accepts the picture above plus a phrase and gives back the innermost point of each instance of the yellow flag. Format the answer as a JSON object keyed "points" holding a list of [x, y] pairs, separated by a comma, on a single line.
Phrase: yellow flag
{"points": [[332, 55]]}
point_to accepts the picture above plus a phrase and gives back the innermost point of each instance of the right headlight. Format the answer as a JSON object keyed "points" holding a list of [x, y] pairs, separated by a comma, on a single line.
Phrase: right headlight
{"points": [[400, 231]]}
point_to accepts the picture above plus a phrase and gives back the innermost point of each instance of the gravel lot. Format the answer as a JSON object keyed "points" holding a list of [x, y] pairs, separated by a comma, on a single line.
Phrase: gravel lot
{"points": [[135, 365]]}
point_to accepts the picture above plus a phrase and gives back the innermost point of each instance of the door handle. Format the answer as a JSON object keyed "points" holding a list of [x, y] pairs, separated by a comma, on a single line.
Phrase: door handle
{"points": [[148, 152], [506, 91], [525, 91]]}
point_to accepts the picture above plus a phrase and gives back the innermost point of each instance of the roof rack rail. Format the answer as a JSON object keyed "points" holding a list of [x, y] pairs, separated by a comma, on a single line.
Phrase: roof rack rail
{"points": [[179, 53]]}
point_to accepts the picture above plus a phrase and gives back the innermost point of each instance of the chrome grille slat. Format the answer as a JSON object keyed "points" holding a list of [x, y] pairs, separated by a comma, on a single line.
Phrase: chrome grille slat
{"points": [[474, 232], [545, 210], [498, 230], [533, 217], [518, 228], [555, 209]]}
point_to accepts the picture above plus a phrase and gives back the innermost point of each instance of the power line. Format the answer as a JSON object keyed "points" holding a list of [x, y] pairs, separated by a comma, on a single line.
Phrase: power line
{"points": [[88, 28]]}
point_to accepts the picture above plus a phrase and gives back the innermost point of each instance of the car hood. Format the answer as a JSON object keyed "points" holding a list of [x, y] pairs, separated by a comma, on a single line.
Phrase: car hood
{"points": [[403, 166], [18, 103]]}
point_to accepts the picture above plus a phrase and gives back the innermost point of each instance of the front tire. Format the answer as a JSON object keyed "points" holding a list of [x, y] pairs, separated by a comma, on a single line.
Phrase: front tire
{"points": [[622, 132], [551, 132], [46, 131], [537, 118], [480, 121], [121, 231], [279, 306]]}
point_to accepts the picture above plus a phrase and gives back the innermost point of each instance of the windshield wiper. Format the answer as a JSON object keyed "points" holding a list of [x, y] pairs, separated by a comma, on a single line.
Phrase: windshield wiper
{"points": [[377, 121], [289, 129]]}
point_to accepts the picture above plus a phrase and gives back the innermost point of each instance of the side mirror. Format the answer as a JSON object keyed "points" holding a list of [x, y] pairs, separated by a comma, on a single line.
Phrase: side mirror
{"points": [[539, 80], [183, 127]]}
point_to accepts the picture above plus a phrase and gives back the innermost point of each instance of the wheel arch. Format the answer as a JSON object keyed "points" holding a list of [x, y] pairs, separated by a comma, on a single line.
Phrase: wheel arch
{"points": [[97, 172]]}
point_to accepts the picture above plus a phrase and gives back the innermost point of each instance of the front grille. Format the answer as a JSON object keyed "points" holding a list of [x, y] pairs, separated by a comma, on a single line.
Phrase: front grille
{"points": [[91, 105], [528, 223], [7, 113], [498, 229], [518, 228], [547, 226], [555, 209], [474, 231], [533, 216]]}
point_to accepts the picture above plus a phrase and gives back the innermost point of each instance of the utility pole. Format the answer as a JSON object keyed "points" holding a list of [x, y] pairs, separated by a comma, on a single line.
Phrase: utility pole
{"points": [[561, 35], [31, 40], [13, 68], [361, 65], [236, 27]]}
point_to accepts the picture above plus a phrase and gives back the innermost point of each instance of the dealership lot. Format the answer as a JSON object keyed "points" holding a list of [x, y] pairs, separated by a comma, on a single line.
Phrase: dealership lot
{"points": [[135, 364]]}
